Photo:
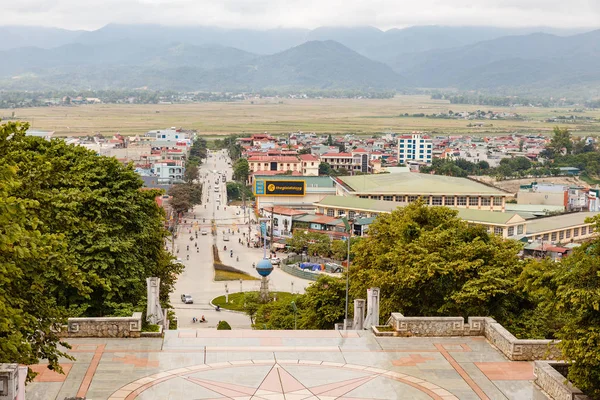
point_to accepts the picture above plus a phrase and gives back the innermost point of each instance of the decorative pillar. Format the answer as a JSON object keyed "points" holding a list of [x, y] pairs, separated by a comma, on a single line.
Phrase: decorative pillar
{"points": [[9, 381], [359, 314], [154, 313], [372, 308]]}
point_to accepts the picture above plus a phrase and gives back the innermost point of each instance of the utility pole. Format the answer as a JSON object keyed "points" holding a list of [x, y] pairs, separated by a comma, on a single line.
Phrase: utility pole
{"points": [[272, 218]]}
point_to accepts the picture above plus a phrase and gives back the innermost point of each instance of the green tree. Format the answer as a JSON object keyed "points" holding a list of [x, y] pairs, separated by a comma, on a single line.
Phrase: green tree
{"points": [[114, 230], [316, 244], [241, 170], [325, 169], [561, 139], [569, 303], [429, 262], [323, 304], [191, 173], [251, 304], [35, 266], [276, 315]]}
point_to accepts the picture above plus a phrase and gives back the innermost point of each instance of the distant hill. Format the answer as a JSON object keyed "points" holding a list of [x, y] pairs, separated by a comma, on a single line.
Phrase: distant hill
{"points": [[500, 60], [13, 37], [316, 64], [529, 60], [122, 53], [312, 65]]}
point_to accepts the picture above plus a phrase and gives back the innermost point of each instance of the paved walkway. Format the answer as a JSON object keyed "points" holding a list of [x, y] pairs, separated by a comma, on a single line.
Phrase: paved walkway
{"points": [[197, 279], [286, 365]]}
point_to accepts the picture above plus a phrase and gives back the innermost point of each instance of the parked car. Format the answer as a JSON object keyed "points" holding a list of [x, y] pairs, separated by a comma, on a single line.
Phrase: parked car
{"points": [[187, 299], [225, 238], [275, 260], [203, 232]]}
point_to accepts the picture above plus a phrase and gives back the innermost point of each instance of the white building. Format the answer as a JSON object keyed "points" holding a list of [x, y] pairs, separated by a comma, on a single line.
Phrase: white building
{"points": [[169, 171], [414, 148], [172, 134]]}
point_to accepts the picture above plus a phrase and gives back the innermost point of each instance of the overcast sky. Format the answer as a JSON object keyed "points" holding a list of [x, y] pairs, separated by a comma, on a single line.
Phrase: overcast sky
{"points": [[264, 14]]}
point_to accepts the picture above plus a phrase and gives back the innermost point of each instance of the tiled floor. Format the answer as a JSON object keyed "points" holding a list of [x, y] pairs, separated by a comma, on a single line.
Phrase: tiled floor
{"points": [[285, 365]]}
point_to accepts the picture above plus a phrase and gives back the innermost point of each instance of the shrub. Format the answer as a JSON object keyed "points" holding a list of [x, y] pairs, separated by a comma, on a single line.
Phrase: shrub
{"points": [[223, 326]]}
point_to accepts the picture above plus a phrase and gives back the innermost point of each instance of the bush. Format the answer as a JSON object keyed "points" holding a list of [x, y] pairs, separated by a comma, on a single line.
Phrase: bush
{"points": [[223, 326]]}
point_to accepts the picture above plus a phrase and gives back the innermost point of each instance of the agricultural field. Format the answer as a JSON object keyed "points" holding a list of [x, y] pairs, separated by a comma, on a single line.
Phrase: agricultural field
{"points": [[281, 116]]}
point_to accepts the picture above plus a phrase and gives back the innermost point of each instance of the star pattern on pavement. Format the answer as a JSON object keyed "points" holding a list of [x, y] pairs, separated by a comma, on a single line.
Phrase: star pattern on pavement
{"points": [[279, 384]]}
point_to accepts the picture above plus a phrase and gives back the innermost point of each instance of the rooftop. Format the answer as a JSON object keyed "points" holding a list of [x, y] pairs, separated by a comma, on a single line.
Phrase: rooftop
{"points": [[311, 181], [415, 183], [381, 206], [546, 224]]}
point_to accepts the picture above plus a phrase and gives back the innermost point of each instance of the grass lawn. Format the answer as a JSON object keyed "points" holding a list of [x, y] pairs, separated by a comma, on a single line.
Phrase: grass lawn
{"points": [[233, 276], [236, 300]]}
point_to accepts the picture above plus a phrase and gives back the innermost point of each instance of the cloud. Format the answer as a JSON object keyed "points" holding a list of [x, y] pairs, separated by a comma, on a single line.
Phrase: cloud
{"points": [[264, 14]]}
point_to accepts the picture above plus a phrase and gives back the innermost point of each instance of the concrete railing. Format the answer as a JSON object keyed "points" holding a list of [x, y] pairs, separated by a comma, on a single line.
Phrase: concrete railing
{"points": [[553, 382], [104, 327], [513, 348]]}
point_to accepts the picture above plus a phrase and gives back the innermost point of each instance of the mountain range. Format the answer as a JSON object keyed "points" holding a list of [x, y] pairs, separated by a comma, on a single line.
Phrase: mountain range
{"points": [[365, 58]]}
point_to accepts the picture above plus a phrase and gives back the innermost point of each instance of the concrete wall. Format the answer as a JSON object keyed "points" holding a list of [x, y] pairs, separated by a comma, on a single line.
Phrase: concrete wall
{"points": [[107, 327], [551, 381], [513, 348]]}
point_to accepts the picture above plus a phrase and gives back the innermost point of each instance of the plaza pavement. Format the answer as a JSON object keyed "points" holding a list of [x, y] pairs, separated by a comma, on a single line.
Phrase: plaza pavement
{"points": [[285, 365], [197, 278]]}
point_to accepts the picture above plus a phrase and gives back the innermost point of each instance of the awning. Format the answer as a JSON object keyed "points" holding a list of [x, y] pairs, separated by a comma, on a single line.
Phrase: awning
{"points": [[279, 245]]}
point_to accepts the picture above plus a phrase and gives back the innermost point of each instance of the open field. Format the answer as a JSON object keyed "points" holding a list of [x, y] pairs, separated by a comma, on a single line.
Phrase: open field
{"points": [[288, 115]]}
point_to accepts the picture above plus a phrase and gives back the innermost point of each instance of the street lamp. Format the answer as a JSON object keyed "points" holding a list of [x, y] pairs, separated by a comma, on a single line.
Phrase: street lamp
{"points": [[226, 294], [241, 290], [293, 303]]}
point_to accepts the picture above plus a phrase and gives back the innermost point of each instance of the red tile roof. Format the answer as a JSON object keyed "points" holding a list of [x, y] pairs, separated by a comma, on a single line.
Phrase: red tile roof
{"points": [[290, 159], [342, 155], [308, 157], [285, 211]]}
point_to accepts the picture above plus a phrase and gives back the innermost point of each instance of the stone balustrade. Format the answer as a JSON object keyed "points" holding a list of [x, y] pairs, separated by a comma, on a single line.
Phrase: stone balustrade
{"points": [[513, 348], [104, 327], [551, 381]]}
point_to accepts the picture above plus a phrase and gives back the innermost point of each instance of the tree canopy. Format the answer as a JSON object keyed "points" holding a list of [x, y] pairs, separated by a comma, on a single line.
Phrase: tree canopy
{"points": [[241, 170], [429, 262], [79, 236]]}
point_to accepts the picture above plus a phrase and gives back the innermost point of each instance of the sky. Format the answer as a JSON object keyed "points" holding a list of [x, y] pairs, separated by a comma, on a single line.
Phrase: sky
{"points": [[266, 14]]}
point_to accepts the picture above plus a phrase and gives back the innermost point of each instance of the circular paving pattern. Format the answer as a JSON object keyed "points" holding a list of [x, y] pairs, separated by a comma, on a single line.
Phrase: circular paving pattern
{"points": [[283, 380]]}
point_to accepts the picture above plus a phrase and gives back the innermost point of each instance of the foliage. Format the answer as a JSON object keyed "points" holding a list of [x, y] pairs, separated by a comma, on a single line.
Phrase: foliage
{"points": [[220, 266], [323, 304], [429, 262], [198, 151], [114, 230], [312, 242], [234, 150], [78, 237], [232, 276], [569, 301], [172, 320], [191, 173], [561, 141], [223, 326], [339, 248], [241, 170], [325, 169], [320, 307], [238, 191], [34, 267], [185, 196]]}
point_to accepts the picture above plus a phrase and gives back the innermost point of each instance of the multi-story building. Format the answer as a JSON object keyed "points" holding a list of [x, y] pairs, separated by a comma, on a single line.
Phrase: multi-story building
{"points": [[169, 171], [310, 165], [415, 147], [436, 190], [357, 161]]}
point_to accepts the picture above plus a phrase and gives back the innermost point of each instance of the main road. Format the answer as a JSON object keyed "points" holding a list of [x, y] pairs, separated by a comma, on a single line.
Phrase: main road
{"points": [[198, 277]]}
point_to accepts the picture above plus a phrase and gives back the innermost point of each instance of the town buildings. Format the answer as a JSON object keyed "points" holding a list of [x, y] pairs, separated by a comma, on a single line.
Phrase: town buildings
{"points": [[415, 147]]}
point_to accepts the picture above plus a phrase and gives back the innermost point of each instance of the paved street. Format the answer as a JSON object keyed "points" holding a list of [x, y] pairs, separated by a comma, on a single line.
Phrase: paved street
{"points": [[197, 279]]}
